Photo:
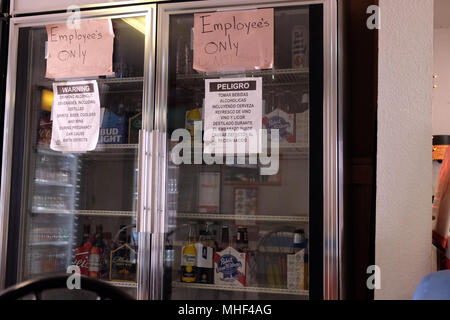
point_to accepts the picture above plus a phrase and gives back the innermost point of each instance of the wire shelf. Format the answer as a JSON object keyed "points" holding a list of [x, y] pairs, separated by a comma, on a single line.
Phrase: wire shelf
{"points": [[208, 216], [84, 212], [269, 77], [176, 284]]}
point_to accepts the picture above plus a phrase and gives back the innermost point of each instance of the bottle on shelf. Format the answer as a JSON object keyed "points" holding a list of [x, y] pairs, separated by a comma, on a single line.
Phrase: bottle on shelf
{"points": [[225, 241], [105, 259], [239, 239], [122, 235], [96, 253], [189, 259], [132, 255], [204, 258], [210, 235], [242, 239], [123, 259], [195, 113], [245, 247], [231, 263], [299, 241], [300, 50], [83, 250]]}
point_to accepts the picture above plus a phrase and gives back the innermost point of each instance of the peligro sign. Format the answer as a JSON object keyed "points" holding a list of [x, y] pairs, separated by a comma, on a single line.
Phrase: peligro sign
{"points": [[232, 86]]}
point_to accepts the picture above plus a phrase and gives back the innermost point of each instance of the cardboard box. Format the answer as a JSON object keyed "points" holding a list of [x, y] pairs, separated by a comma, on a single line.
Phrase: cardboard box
{"points": [[284, 122], [205, 264], [296, 270], [230, 267]]}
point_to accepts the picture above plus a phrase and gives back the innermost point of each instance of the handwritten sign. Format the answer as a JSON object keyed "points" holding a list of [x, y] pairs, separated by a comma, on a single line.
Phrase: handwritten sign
{"points": [[76, 116], [234, 40], [233, 112], [83, 52]]}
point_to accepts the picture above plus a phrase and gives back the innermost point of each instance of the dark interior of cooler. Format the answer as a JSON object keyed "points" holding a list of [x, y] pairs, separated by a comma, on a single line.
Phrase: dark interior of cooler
{"points": [[107, 180]]}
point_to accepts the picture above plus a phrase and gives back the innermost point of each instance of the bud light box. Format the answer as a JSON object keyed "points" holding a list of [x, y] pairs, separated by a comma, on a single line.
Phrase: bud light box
{"points": [[230, 267], [114, 129]]}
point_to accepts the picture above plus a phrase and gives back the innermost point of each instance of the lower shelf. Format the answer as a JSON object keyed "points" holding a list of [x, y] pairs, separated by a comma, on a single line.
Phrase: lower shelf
{"points": [[300, 218], [49, 243], [123, 284], [177, 284], [84, 212]]}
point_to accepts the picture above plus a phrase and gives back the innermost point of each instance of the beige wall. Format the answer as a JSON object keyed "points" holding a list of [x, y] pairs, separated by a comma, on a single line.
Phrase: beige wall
{"points": [[403, 218], [441, 95]]}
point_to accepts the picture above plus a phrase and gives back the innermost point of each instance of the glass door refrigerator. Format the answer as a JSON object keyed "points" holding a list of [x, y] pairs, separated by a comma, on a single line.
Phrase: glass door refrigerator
{"points": [[62, 209], [171, 230], [227, 231]]}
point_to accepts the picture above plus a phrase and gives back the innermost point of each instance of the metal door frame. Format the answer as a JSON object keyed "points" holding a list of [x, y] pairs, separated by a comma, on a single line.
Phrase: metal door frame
{"points": [[148, 10], [332, 176]]}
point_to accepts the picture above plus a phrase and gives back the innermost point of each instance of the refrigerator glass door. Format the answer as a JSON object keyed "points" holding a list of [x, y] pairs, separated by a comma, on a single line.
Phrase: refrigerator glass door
{"points": [[79, 208], [231, 230]]}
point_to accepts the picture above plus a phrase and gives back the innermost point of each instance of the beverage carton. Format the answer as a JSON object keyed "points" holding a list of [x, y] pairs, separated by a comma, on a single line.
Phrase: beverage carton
{"points": [[296, 270], [205, 263], [284, 122], [230, 267]]}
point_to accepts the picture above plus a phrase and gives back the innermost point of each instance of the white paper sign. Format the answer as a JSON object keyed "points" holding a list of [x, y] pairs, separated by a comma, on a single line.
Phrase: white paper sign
{"points": [[233, 114], [85, 51], [76, 116]]}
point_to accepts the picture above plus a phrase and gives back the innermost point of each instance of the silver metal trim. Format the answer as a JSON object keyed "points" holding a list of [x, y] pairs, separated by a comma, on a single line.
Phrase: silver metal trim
{"points": [[148, 10], [92, 6], [143, 237], [140, 199], [341, 39], [159, 225], [143, 287], [330, 151], [7, 149], [218, 5], [115, 13], [298, 219], [150, 182], [330, 165], [157, 216]]}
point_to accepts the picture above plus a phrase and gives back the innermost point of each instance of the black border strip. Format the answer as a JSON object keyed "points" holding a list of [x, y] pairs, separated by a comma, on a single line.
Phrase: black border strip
{"points": [[316, 91]]}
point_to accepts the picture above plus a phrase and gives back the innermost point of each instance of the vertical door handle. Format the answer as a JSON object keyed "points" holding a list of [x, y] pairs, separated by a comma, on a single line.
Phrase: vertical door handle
{"points": [[140, 186], [154, 181]]}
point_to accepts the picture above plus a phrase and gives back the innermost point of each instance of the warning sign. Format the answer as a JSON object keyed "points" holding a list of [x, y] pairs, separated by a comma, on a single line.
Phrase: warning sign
{"points": [[233, 113], [76, 116]]}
